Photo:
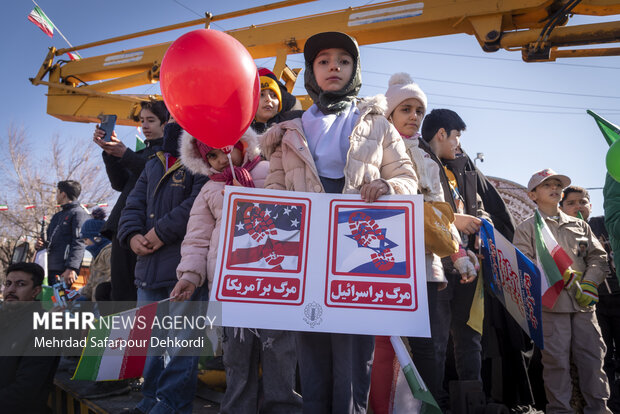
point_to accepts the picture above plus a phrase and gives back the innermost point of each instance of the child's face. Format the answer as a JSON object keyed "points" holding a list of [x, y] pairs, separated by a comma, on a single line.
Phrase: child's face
{"points": [[576, 202], [547, 193], [152, 128], [218, 160], [268, 105], [447, 144], [408, 116], [333, 69]]}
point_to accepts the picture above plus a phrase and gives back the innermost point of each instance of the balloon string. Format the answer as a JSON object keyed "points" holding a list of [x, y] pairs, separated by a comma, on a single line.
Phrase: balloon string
{"points": [[232, 169]]}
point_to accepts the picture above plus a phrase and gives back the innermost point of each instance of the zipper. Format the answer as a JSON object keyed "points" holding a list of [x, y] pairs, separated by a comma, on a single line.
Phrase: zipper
{"points": [[298, 152], [347, 180]]}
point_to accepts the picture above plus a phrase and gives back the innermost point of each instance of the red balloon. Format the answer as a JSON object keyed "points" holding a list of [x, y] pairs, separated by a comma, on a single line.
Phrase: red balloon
{"points": [[210, 85]]}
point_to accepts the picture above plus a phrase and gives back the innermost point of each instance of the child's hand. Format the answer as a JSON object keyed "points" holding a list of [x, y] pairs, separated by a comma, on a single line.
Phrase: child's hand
{"points": [[140, 245], [372, 191], [467, 224], [154, 241], [183, 290], [466, 262]]}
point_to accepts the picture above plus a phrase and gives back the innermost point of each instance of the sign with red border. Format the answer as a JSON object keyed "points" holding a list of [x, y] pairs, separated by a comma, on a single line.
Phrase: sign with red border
{"points": [[322, 262]]}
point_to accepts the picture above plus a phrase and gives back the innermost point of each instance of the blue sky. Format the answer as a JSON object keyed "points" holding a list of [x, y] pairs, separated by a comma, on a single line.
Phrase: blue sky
{"points": [[522, 116]]}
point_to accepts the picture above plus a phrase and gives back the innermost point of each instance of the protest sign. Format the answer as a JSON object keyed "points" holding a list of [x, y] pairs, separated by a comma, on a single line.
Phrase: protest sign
{"points": [[322, 262], [514, 279]]}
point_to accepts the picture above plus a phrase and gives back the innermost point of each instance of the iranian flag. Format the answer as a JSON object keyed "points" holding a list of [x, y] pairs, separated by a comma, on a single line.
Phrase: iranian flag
{"points": [[39, 18], [553, 261], [29, 207], [409, 382], [99, 363], [4, 207], [74, 55], [140, 145]]}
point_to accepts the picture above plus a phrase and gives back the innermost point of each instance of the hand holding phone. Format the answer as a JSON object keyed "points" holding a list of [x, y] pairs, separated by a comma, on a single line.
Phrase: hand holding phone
{"points": [[107, 125]]}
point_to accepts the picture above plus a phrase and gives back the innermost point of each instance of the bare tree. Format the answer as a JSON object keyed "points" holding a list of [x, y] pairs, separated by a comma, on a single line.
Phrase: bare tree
{"points": [[30, 180]]}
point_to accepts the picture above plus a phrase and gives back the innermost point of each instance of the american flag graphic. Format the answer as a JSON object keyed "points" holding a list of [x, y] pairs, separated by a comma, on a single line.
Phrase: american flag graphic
{"points": [[267, 236]]}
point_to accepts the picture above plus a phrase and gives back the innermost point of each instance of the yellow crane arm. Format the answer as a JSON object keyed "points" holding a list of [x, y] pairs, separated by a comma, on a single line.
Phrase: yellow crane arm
{"points": [[535, 27]]}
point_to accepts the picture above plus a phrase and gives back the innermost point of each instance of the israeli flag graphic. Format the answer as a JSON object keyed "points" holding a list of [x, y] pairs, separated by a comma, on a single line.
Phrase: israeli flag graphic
{"points": [[371, 242]]}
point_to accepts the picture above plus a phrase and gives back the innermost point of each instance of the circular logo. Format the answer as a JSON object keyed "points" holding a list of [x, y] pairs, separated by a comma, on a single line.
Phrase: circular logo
{"points": [[313, 312]]}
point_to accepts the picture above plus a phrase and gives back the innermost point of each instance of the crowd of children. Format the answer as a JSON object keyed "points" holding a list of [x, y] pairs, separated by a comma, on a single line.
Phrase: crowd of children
{"points": [[171, 208]]}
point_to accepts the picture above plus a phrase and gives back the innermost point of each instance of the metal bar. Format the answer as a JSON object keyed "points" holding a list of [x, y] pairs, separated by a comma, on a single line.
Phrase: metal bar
{"points": [[45, 66], [612, 51], [124, 82], [566, 35], [238, 13], [87, 91]]}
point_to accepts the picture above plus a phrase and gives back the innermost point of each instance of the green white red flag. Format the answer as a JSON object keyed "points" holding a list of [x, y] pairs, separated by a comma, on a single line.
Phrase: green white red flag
{"points": [[39, 18], [410, 376], [99, 363], [74, 55], [29, 207], [140, 145], [553, 261], [4, 207]]}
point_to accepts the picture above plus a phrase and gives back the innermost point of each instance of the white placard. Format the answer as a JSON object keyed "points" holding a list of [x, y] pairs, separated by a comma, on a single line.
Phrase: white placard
{"points": [[322, 262]]}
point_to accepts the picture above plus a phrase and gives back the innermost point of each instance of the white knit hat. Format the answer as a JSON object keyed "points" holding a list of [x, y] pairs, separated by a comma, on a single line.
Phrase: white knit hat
{"points": [[402, 87]]}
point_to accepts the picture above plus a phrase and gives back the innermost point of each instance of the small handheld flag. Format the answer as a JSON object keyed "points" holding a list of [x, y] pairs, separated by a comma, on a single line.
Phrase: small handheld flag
{"points": [[553, 260]]}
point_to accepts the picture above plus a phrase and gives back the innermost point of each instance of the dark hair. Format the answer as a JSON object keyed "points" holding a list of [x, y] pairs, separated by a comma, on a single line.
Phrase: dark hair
{"points": [[98, 213], [574, 189], [34, 270], [441, 118], [71, 188], [158, 108]]}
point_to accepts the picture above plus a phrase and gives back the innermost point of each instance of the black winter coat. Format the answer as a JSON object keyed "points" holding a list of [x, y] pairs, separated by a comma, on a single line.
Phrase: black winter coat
{"points": [[466, 172], [65, 249], [123, 173], [161, 200]]}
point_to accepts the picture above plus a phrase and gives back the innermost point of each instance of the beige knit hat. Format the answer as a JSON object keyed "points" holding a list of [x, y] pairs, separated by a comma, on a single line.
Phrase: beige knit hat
{"points": [[402, 87]]}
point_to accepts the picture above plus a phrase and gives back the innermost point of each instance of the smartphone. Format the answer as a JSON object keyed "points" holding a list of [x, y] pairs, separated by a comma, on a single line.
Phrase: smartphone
{"points": [[107, 124]]}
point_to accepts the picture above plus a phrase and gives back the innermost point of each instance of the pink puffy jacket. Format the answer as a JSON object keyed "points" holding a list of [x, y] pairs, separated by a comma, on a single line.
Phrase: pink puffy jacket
{"points": [[199, 248]]}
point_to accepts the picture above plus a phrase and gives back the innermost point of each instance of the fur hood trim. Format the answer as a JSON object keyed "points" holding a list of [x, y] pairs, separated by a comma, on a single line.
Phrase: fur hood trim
{"points": [[376, 105], [190, 157]]}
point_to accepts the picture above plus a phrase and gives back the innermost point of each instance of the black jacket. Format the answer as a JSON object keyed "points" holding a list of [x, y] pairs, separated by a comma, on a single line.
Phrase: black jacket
{"points": [[65, 249], [123, 173], [466, 172], [161, 200]]}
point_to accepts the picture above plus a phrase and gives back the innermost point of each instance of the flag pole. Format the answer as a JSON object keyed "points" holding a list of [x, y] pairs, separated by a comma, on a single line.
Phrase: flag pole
{"points": [[55, 27]]}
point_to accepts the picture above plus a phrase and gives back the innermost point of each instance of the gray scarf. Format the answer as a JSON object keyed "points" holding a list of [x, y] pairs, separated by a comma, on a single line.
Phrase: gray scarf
{"points": [[337, 101]]}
